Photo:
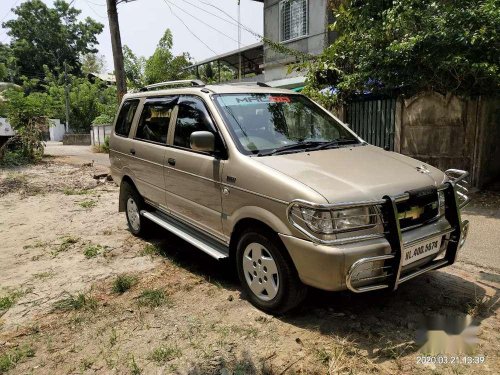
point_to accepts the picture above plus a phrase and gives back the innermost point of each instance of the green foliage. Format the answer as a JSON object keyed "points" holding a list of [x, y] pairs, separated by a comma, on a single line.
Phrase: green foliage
{"points": [[134, 68], [92, 63], [412, 46], [164, 353], [50, 36], [163, 65], [209, 73], [88, 100], [10, 359], [123, 283], [29, 116], [154, 298], [91, 251], [78, 302]]}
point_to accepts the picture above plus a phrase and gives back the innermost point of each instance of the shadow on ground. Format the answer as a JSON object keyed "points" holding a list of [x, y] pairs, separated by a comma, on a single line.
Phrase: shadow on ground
{"points": [[382, 323]]}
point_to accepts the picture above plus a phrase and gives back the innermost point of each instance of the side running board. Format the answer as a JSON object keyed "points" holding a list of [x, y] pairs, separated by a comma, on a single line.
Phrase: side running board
{"points": [[188, 234]]}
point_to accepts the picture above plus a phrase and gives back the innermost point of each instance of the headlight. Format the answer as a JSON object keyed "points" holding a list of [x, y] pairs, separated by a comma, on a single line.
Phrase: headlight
{"points": [[353, 218], [328, 222], [318, 221]]}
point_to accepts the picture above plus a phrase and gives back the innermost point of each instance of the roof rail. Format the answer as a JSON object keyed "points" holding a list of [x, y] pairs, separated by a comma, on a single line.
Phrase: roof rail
{"points": [[260, 84], [192, 82]]}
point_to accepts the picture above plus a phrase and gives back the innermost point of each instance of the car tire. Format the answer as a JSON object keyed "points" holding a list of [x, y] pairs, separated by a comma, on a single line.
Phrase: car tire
{"points": [[267, 274], [134, 204]]}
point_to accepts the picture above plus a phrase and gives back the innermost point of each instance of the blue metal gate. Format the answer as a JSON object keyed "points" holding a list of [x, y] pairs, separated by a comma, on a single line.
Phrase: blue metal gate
{"points": [[373, 119]]}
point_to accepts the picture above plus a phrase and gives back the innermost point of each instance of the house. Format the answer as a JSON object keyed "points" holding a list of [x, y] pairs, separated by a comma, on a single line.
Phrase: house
{"points": [[299, 25]]}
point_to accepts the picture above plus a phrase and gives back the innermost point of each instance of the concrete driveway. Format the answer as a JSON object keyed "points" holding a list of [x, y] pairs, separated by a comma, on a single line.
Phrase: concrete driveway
{"points": [[77, 154]]}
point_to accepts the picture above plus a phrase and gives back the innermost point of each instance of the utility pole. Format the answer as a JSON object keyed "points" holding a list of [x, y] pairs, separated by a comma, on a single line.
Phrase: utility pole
{"points": [[116, 44], [239, 40], [66, 95]]}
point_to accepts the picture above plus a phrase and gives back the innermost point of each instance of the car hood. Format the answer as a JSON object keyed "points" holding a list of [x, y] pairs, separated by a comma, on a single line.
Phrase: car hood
{"points": [[355, 173]]}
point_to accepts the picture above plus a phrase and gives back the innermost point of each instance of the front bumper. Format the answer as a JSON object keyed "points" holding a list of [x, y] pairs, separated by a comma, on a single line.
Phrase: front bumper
{"points": [[375, 262]]}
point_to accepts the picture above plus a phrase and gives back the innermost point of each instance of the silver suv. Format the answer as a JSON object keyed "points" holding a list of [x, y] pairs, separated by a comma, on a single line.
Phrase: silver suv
{"points": [[289, 193]]}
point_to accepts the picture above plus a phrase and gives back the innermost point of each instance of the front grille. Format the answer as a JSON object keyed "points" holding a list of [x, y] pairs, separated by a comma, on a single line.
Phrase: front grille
{"points": [[421, 206]]}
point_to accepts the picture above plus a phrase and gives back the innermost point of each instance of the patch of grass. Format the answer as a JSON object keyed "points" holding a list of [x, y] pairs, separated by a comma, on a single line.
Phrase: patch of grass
{"points": [[134, 368], [113, 338], [154, 298], [66, 243], [86, 364], [107, 232], [36, 245], [6, 302], [78, 302], [87, 204], [151, 250], [71, 191], [10, 359], [163, 354], [123, 283], [43, 275], [91, 251]]}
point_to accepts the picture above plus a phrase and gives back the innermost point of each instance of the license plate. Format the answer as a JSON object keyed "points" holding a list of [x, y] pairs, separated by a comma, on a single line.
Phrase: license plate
{"points": [[421, 250]]}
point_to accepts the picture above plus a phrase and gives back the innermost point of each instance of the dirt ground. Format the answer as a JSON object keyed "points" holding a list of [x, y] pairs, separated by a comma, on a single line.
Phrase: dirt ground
{"points": [[79, 295]]}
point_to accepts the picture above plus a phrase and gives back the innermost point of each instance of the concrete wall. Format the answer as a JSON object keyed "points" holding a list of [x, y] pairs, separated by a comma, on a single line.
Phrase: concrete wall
{"points": [[76, 139], [56, 130], [98, 134], [451, 132], [275, 64]]}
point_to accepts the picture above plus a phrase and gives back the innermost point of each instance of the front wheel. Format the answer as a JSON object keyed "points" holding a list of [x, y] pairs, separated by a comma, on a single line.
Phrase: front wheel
{"points": [[267, 274]]}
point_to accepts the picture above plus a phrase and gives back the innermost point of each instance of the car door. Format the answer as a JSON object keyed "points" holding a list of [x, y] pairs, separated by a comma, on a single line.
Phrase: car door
{"points": [[149, 147], [193, 178]]}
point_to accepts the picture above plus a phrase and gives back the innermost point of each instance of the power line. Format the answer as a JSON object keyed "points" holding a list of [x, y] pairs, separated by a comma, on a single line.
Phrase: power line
{"points": [[203, 22], [246, 28], [196, 36], [10, 10], [94, 11]]}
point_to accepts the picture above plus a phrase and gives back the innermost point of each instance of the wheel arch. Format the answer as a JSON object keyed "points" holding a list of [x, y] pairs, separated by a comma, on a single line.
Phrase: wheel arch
{"points": [[126, 181], [261, 227]]}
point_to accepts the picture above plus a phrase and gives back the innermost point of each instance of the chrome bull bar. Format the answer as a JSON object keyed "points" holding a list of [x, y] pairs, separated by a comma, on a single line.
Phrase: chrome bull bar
{"points": [[391, 271], [393, 262]]}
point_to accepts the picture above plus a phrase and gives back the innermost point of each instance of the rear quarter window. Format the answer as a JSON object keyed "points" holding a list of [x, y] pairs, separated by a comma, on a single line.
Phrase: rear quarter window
{"points": [[125, 117]]}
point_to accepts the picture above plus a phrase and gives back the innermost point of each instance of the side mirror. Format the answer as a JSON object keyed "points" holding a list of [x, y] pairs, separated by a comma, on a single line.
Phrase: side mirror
{"points": [[202, 141]]}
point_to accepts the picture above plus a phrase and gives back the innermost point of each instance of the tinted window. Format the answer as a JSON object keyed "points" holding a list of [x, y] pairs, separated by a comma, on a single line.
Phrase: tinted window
{"points": [[125, 117], [192, 117], [155, 117]]}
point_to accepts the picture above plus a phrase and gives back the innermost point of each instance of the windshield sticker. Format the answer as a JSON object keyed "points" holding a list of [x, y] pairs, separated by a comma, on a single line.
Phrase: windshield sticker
{"points": [[231, 100], [279, 99]]}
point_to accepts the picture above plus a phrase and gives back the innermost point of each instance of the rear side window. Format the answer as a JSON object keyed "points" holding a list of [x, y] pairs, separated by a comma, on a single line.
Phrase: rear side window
{"points": [[192, 117], [155, 118], [125, 117]]}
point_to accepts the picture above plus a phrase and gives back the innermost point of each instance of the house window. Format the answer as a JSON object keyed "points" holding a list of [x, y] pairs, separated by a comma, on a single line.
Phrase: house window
{"points": [[293, 19]]}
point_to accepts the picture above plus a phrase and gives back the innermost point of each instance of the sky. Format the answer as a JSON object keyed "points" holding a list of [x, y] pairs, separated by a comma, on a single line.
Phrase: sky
{"points": [[143, 22]]}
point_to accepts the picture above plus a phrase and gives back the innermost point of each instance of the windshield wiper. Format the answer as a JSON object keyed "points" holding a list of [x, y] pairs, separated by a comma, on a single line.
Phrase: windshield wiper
{"points": [[334, 143], [295, 146]]}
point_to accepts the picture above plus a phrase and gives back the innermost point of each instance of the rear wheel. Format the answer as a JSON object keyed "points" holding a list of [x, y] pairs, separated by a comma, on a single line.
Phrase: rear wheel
{"points": [[267, 273], [134, 204]]}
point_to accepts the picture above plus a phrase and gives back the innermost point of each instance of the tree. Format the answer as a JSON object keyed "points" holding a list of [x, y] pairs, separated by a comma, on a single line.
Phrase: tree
{"points": [[93, 63], [50, 36], [29, 116], [134, 68], [411, 46], [8, 66], [163, 65]]}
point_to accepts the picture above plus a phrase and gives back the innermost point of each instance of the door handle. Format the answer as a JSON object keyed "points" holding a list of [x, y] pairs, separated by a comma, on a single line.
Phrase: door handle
{"points": [[132, 151], [171, 161]]}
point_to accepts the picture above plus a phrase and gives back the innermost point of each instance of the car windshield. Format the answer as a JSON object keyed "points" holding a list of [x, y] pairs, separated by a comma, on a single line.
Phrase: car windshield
{"points": [[267, 124]]}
